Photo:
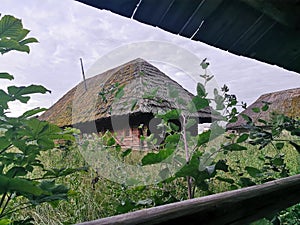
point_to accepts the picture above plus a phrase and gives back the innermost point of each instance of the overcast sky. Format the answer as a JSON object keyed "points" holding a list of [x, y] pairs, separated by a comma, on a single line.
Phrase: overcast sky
{"points": [[68, 30]]}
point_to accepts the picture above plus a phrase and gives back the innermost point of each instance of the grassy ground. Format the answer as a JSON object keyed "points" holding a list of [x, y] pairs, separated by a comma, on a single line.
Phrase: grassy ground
{"points": [[89, 202]]}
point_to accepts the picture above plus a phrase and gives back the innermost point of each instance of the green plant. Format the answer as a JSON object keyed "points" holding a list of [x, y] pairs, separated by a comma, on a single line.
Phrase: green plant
{"points": [[203, 160], [23, 139]]}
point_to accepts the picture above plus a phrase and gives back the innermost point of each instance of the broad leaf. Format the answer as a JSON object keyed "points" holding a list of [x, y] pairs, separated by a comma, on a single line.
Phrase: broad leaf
{"points": [[20, 185], [5, 222], [252, 171], [32, 89], [170, 115], [234, 147], [265, 107], [224, 179], [246, 182], [152, 158], [246, 117], [16, 171], [126, 152], [255, 109], [296, 132], [126, 206], [242, 138], [203, 138], [10, 27], [22, 34], [221, 165], [4, 143], [200, 103], [6, 76], [111, 141], [174, 138], [32, 112], [28, 41], [201, 90], [279, 145]]}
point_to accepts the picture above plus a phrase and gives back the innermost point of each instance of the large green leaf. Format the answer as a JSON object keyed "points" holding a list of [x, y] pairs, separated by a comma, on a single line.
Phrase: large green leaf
{"points": [[32, 112], [6, 76], [45, 143], [174, 138], [23, 33], [234, 147], [221, 165], [51, 192], [152, 158], [252, 171], [246, 182], [246, 117], [225, 179], [31, 89], [170, 115], [296, 132], [16, 171], [10, 27], [242, 138], [60, 172], [201, 90], [256, 109], [203, 138], [200, 103], [4, 143], [4, 99], [8, 184], [126, 152], [10, 44], [5, 222], [126, 206], [200, 176], [28, 41]]}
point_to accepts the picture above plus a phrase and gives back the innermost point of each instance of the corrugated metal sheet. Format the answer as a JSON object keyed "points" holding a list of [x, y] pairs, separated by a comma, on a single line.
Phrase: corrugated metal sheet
{"points": [[231, 25]]}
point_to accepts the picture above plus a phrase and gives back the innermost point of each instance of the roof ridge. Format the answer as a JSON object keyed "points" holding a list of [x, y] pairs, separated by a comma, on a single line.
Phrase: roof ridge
{"points": [[281, 91]]}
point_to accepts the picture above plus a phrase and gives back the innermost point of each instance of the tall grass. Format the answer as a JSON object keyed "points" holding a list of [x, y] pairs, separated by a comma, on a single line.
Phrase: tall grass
{"points": [[89, 202]]}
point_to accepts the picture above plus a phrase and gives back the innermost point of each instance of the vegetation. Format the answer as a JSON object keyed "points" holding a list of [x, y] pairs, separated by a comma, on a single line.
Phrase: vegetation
{"points": [[23, 139], [32, 160]]}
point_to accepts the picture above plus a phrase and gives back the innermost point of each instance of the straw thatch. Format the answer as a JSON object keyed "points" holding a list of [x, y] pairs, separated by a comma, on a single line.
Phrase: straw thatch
{"points": [[140, 80], [285, 102]]}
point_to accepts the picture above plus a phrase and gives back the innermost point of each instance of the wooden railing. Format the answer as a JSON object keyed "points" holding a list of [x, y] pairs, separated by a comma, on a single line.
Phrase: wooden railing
{"points": [[233, 207]]}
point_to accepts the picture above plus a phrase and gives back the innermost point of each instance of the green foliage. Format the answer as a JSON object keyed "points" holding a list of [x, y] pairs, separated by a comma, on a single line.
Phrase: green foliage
{"points": [[13, 35], [152, 158], [199, 168], [23, 139]]}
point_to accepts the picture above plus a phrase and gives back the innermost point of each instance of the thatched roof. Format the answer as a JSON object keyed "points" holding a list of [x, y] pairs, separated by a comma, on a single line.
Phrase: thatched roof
{"points": [[140, 80], [285, 102]]}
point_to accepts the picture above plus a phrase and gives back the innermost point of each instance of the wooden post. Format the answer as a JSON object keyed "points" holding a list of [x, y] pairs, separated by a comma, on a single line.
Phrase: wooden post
{"points": [[83, 75], [233, 207]]}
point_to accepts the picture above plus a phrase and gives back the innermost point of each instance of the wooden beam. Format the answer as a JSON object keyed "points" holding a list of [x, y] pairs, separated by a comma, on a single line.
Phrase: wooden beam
{"points": [[284, 12], [233, 207]]}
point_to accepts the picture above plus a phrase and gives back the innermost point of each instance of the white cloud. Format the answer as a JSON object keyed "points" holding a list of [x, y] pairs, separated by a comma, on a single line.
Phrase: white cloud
{"points": [[68, 30]]}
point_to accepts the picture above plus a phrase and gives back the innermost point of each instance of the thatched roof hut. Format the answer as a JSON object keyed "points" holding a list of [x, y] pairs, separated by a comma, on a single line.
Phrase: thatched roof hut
{"points": [[285, 102], [143, 92]]}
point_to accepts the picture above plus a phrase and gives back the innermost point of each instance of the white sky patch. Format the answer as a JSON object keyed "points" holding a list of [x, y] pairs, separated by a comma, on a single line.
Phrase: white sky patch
{"points": [[68, 30]]}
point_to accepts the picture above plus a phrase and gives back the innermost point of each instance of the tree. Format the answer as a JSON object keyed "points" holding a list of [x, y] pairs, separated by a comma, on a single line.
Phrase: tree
{"points": [[24, 138]]}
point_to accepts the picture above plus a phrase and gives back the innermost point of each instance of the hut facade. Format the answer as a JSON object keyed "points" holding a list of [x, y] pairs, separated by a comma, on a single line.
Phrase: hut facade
{"points": [[122, 100], [286, 102]]}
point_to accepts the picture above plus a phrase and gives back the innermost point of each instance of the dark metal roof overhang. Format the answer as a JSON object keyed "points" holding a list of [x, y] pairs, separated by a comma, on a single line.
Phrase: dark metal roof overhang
{"points": [[268, 30]]}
